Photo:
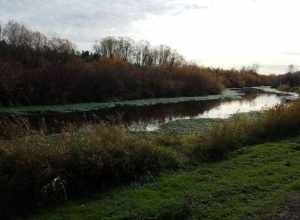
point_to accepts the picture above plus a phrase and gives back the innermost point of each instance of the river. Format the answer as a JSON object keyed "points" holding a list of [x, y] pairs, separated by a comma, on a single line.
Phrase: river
{"points": [[150, 117], [222, 109]]}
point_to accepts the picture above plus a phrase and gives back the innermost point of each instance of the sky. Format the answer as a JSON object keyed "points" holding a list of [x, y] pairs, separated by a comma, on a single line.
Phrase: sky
{"points": [[219, 33]]}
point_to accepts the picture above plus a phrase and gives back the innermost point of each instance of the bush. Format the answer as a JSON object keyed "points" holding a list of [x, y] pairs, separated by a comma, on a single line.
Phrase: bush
{"points": [[280, 121], [38, 170]]}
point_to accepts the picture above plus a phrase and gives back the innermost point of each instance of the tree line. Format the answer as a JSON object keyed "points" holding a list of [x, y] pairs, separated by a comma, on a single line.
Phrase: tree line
{"points": [[36, 69]]}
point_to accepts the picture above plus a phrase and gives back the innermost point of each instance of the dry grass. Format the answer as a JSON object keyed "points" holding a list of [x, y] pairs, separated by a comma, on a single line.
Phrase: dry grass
{"points": [[280, 121], [39, 169], [85, 160]]}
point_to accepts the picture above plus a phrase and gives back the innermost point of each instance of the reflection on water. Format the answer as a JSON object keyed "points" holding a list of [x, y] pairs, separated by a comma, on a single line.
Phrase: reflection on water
{"points": [[221, 109], [227, 109], [150, 118]]}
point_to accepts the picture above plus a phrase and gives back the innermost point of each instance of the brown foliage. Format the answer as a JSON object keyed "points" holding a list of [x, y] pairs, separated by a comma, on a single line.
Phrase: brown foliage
{"points": [[37, 70]]}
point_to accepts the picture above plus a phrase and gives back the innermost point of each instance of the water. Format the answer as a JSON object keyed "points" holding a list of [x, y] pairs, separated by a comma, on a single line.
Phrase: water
{"points": [[220, 109], [227, 109], [150, 118]]}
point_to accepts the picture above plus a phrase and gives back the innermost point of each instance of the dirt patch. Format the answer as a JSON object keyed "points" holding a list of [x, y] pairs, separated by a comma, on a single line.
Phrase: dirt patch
{"points": [[290, 210]]}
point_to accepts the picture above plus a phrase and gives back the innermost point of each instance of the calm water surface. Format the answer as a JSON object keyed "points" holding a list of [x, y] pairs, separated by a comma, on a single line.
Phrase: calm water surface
{"points": [[220, 109], [150, 118]]}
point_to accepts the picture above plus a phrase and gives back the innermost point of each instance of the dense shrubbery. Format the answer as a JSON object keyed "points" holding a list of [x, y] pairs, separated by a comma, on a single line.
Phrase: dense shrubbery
{"points": [[38, 169], [244, 78], [102, 80], [35, 69], [291, 79]]}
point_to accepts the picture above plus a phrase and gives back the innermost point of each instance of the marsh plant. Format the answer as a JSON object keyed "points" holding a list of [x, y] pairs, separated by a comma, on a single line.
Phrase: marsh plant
{"points": [[39, 169]]}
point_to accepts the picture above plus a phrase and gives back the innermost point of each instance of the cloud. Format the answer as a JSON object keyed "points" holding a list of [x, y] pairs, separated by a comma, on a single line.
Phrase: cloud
{"points": [[84, 21]]}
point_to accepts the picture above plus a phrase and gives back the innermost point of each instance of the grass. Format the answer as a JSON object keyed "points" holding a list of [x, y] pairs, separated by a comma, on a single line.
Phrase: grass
{"points": [[290, 89], [279, 91], [189, 125], [278, 122], [37, 170], [237, 188], [85, 107], [85, 160]]}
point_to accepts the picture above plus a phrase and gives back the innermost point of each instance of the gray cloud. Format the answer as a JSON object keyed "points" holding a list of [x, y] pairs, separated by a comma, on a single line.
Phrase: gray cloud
{"points": [[86, 21]]}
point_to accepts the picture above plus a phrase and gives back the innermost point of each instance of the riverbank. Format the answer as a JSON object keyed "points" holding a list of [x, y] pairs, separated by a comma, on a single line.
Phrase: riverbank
{"points": [[150, 114], [211, 191], [192, 126], [39, 170], [86, 107], [228, 94]]}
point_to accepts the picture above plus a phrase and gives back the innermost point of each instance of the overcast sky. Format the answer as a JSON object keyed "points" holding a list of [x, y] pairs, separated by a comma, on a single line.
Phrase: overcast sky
{"points": [[226, 33]]}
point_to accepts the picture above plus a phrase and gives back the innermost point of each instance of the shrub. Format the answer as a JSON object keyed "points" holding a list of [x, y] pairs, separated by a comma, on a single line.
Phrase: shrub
{"points": [[39, 169], [280, 121]]}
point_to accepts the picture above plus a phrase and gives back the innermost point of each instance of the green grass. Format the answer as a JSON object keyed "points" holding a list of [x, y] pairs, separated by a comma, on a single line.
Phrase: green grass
{"points": [[85, 107], [237, 188], [94, 158], [189, 125], [279, 91], [291, 89], [86, 160]]}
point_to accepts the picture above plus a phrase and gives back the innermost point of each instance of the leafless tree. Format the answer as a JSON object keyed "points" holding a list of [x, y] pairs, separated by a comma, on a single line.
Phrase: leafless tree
{"points": [[61, 45], [11, 32], [106, 47], [39, 41], [141, 53]]}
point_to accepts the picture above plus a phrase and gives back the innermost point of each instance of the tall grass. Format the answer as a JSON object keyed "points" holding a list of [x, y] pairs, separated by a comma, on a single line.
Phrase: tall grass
{"points": [[39, 169], [278, 122]]}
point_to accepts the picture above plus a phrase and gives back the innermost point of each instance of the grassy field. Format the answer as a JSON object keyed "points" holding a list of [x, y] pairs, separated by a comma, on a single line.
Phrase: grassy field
{"points": [[244, 186]]}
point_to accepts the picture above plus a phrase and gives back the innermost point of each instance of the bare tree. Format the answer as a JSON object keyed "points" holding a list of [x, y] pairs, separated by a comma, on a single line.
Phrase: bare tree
{"points": [[124, 48], [39, 41], [141, 53], [164, 54], [61, 45], [18, 34], [106, 47], [11, 32]]}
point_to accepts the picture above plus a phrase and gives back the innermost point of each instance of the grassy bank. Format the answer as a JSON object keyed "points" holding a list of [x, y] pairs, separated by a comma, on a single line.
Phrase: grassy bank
{"points": [[201, 125], [287, 88], [242, 187], [86, 107], [38, 170]]}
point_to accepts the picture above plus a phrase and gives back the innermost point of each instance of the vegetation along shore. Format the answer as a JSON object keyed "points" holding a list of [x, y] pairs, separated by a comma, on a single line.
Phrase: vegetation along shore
{"points": [[196, 163]]}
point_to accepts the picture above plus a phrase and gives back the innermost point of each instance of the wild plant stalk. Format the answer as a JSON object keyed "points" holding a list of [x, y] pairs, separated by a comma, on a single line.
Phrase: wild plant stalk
{"points": [[94, 158], [278, 122]]}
